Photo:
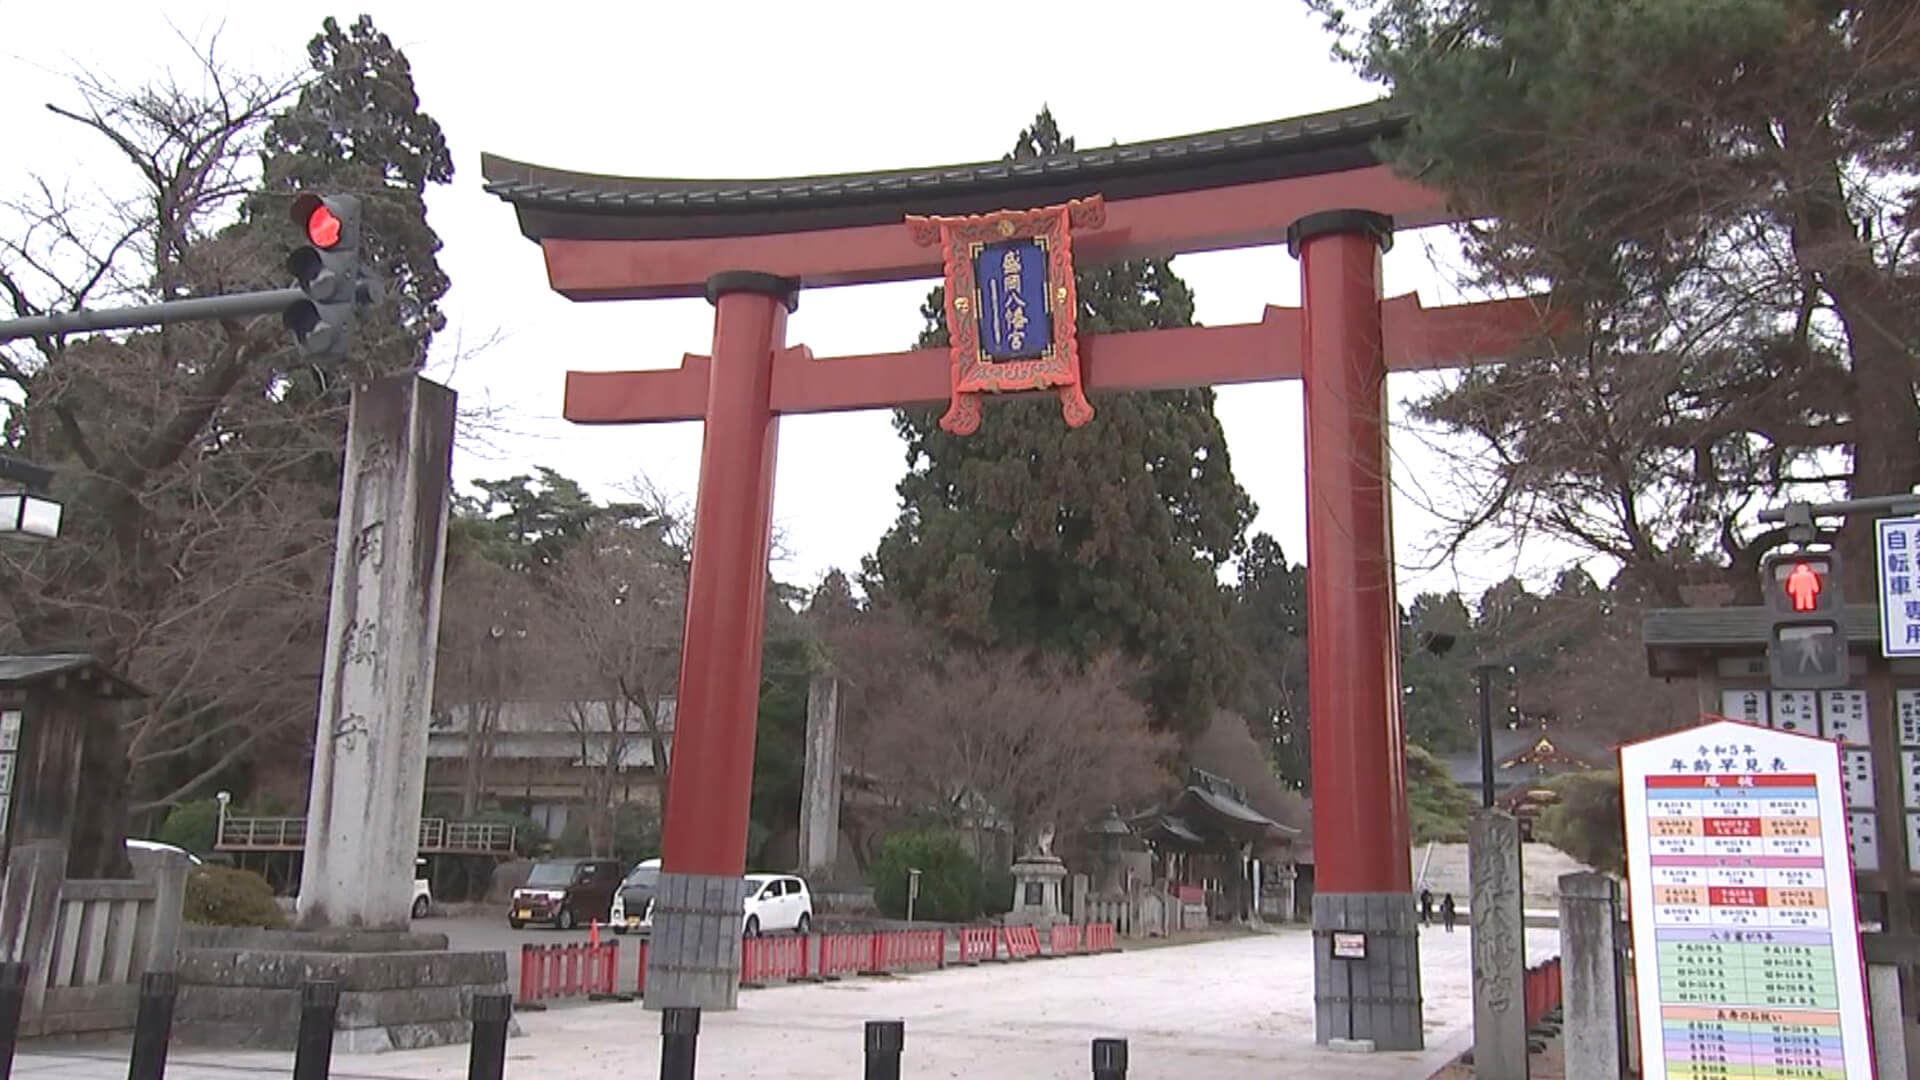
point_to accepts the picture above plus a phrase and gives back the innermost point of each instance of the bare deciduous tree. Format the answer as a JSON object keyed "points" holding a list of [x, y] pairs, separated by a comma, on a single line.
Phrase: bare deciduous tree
{"points": [[488, 657], [611, 624], [1026, 743]]}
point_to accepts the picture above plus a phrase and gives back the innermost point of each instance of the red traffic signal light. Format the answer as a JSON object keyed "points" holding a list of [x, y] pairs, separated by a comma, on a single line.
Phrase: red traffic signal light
{"points": [[328, 271], [324, 218], [323, 228]]}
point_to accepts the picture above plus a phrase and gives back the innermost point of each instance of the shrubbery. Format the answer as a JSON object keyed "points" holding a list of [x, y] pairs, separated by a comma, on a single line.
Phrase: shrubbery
{"points": [[223, 896], [951, 886], [192, 826], [1588, 822]]}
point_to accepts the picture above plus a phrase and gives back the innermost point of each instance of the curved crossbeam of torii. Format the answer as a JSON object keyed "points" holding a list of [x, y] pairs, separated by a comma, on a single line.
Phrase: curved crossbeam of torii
{"points": [[750, 246]]}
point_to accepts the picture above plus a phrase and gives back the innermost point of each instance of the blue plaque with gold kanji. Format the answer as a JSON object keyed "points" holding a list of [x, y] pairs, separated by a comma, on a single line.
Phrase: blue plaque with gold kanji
{"points": [[1010, 305], [1012, 279]]}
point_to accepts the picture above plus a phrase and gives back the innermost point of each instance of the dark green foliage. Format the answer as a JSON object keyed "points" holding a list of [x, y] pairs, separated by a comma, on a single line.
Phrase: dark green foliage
{"points": [[193, 826], [1439, 698], [779, 746], [636, 834], [357, 129], [996, 893], [1719, 194], [1437, 808], [224, 896], [530, 523], [1028, 534], [1588, 822], [1270, 627], [529, 839], [951, 887]]}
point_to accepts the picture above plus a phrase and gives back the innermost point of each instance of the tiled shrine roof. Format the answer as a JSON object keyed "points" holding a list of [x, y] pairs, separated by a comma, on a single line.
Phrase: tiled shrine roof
{"points": [[576, 205]]}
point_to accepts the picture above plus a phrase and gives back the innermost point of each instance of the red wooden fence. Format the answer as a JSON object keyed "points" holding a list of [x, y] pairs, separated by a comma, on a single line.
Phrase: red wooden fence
{"points": [[1541, 988], [1064, 941], [979, 943], [843, 954], [908, 949], [567, 971], [765, 960], [1022, 942], [552, 972]]}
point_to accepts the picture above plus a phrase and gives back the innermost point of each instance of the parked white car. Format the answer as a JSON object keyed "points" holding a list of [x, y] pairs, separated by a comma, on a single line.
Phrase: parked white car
{"points": [[777, 902], [633, 902], [158, 847]]}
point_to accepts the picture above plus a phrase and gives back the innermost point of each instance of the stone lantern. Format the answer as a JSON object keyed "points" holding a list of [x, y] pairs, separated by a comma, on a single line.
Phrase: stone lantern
{"points": [[1112, 832]]}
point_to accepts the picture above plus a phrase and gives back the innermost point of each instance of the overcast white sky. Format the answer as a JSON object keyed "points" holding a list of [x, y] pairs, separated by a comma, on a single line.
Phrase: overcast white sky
{"points": [[765, 89]]}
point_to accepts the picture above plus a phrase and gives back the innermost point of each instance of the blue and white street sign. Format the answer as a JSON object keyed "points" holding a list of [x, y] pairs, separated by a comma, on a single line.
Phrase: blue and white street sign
{"points": [[1898, 548]]}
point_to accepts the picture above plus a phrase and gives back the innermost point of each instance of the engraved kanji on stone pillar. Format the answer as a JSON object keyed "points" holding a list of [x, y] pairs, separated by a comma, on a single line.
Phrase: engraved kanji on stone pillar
{"points": [[370, 744]]}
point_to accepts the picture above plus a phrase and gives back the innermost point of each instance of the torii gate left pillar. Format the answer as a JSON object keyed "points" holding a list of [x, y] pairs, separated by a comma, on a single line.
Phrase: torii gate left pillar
{"points": [[694, 958]]}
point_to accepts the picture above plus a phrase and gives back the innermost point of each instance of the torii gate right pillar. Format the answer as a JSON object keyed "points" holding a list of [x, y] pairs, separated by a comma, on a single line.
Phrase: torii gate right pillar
{"points": [[1362, 859]]}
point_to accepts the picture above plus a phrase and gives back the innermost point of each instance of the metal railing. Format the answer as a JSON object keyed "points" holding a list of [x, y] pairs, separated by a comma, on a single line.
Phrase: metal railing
{"points": [[437, 835]]}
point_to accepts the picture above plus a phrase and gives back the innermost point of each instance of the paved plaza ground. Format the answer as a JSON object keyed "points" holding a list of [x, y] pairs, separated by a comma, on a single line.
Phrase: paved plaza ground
{"points": [[1238, 1007]]}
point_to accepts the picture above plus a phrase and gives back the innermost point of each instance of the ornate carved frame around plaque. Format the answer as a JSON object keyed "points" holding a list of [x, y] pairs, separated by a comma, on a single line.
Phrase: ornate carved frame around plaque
{"points": [[1058, 365]]}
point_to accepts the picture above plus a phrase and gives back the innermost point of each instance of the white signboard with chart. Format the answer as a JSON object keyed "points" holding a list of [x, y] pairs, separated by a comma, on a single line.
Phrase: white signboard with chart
{"points": [[1744, 931]]}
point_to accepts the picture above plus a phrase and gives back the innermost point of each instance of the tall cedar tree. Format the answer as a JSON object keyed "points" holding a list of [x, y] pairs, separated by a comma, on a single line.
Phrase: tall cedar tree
{"points": [[200, 462], [1720, 193], [1270, 625], [1028, 534]]}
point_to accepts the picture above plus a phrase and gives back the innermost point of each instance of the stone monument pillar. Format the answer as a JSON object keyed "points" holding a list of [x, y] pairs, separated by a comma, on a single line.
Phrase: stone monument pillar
{"points": [[1499, 947], [376, 689], [1591, 987], [820, 790]]}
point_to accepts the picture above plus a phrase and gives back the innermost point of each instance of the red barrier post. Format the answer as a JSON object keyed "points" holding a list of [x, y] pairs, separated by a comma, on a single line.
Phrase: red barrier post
{"points": [[640, 979], [526, 973], [609, 969]]}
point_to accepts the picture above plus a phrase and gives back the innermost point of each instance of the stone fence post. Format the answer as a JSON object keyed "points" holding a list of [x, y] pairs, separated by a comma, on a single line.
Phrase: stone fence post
{"points": [[1590, 984]]}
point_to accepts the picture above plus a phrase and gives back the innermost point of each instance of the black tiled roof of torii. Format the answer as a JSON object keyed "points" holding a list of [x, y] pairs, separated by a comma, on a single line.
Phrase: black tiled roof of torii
{"points": [[1322, 142]]}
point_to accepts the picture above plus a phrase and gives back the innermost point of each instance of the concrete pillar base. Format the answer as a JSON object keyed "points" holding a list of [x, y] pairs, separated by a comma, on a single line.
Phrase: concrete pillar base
{"points": [[1373, 1000], [694, 958]]}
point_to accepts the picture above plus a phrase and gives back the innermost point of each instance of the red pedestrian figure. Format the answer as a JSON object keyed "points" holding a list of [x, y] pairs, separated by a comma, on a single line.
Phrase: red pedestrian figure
{"points": [[1803, 587]]}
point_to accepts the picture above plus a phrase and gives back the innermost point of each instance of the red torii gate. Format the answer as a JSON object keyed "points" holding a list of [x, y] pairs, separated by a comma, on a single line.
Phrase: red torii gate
{"points": [[750, 246]]}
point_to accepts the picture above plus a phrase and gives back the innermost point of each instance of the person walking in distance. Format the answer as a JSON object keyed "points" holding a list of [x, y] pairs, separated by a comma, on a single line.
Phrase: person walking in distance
{"points": [[1446, 911], [1426, 907]]}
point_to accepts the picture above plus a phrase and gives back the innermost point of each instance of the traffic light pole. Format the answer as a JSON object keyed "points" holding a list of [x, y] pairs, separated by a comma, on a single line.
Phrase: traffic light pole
{"points": [[196, 309], [1802, 514]]}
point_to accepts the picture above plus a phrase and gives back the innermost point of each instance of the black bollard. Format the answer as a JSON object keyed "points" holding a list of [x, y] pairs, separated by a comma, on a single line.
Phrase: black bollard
{"points": [[152, 1026], [1109, 1059], [13, 997], [679, 1035], [885, 1040], [313, 1047], [491, 1015]]}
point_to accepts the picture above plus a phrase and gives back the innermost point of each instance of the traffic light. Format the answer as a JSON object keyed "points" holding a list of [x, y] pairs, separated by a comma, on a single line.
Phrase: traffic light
{"points": [[329, 271], [1807, 643]]}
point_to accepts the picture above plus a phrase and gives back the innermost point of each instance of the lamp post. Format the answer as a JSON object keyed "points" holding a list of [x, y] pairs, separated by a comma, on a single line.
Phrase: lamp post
{"points": [[913, 891], [220, 830], [28, 513], [1484, 672]]}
